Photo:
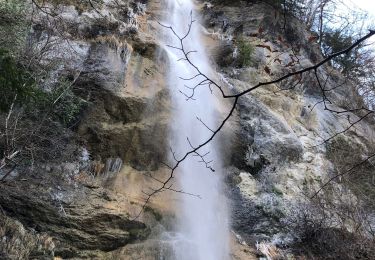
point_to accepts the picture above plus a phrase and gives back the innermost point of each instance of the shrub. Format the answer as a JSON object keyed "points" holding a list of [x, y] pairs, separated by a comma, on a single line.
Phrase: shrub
{"points": [[15, 83], [292, 7], [34, 127], [67, 109], [319, 236], [334, 41], [13, 25], [344, 153], [337, 223], [245, 52], [81, 5]]}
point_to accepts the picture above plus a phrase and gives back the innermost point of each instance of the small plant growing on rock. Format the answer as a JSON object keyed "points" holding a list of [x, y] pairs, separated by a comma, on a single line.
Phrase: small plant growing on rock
{"points": [[245, 52], [68, 107], [15, 84], [277, 191]]}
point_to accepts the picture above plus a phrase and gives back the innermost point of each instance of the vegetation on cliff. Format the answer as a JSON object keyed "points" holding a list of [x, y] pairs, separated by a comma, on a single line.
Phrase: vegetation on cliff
{"points": [[55, 73]]}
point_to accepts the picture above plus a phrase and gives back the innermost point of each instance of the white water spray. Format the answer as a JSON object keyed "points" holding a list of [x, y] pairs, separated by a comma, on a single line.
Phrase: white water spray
{"points": [[203, 224]]}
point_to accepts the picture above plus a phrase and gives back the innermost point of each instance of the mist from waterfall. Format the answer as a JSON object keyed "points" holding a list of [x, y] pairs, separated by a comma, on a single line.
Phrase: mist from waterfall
{"points": [[202, 224]]}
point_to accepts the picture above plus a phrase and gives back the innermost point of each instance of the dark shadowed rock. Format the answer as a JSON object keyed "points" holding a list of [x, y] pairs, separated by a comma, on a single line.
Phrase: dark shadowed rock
{"points": [[77, 221]]}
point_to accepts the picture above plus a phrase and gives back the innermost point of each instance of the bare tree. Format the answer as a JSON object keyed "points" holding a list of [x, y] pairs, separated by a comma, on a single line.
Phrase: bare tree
{"points": [[206, 81]]}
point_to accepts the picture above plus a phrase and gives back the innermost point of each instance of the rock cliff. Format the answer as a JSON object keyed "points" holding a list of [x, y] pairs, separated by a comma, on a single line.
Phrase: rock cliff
{"points": [[275, 154]]}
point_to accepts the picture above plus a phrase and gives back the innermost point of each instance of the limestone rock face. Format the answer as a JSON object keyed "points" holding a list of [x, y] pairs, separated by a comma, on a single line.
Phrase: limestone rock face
{"points": [[80, 222], [118, 69], [278, 152], [266, 138], [111, 54]]}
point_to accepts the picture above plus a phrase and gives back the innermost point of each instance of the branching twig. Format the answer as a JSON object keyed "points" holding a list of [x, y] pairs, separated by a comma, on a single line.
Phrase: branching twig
{"points": [[165, 185], [344, 130], [341, 174]]}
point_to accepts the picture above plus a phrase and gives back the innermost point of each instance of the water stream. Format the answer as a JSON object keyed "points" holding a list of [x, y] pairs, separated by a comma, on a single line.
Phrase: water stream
{"points": [[202, 229]]}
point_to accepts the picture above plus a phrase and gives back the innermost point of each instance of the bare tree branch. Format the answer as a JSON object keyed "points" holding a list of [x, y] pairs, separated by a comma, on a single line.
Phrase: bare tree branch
{"points": [[208, 81], [342, 174]]}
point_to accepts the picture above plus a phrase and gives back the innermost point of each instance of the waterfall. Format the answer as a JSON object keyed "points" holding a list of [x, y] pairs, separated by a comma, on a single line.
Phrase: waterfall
{"points": [[202, 224]]}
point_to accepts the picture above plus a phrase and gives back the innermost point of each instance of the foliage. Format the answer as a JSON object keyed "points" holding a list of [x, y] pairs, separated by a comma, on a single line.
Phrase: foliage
{"points": [[13, 24], [334, 41], [32, 120], [357, 66], [294, 7], [344, 153], [320, 242], [245, 52], [333, 225], [68, 107], [15, 83], [81, 5], [34, 113], [336, 31]]}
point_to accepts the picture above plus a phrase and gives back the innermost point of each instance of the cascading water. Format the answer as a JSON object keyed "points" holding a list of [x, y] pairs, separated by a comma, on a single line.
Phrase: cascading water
{"points": [[203, 224]]}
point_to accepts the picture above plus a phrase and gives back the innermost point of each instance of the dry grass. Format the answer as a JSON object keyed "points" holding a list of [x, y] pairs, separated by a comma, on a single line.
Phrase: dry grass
{"points": [[81, 5], [338, 222], [112, 41], [18, 243], [345, 152]]}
